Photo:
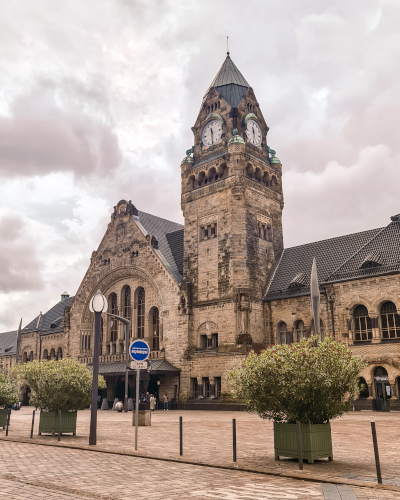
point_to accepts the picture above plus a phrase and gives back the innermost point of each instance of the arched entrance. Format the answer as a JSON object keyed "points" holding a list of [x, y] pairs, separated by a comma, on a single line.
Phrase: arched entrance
{"points": [[382, 389]]}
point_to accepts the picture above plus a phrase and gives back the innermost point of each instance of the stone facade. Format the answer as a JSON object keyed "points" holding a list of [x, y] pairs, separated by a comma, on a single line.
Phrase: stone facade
{"points": [[203, 317]]}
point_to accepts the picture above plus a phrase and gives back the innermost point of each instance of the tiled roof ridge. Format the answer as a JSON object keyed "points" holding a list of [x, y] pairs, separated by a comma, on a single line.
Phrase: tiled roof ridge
{"points": [[274, 272], [358, 251]]}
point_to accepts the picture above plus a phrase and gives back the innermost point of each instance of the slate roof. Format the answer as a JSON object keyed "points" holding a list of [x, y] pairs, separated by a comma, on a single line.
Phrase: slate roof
{"points": [[168, 252], [230, 83], [157, 366], [175, 241], [383, 249], [49, 318], [50, 322], [7, 340], [330, 255]]}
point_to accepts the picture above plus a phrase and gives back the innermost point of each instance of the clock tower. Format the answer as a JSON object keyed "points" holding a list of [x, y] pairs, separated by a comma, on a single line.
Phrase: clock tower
{"points": [[232, 204]]}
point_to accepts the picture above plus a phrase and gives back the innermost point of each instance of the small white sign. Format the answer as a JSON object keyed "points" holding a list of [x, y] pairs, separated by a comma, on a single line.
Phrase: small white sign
{"points": [[139, 365]]}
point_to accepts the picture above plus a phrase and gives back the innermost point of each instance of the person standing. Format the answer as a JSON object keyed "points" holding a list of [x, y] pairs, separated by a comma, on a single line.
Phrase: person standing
{"points": [[99, 401], [165, 401], [152, 403]]}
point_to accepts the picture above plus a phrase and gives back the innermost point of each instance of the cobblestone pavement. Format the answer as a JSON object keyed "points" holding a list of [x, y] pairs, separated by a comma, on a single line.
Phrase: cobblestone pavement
{"points": [[207, 438], [30, 472]]}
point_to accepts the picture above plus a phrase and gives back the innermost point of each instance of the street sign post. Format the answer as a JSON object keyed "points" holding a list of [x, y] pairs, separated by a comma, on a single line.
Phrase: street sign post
{"points": [[139, 351]]}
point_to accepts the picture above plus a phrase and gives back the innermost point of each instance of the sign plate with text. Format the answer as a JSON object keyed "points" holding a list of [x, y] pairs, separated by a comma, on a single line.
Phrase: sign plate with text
{"points": [[139, 350], [139, 365]]}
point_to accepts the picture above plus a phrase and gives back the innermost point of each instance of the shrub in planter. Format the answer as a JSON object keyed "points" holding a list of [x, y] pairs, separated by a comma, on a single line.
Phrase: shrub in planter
{"points": [[8, 396], [64, 385], [310, 381]]}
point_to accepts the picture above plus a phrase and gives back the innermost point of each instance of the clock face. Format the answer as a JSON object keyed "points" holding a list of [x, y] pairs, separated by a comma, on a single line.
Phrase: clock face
{"points": [[212, 133], [253, 133]]}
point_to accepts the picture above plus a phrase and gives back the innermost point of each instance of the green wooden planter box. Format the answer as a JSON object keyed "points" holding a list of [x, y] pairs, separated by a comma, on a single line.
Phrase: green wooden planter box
{"points": [[48, 422], [316, 441], [3, 417]]}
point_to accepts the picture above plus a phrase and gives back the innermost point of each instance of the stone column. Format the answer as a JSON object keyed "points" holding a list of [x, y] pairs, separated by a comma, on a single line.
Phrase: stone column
{"points": [[212, 387], [200, 386], [376, 334]]}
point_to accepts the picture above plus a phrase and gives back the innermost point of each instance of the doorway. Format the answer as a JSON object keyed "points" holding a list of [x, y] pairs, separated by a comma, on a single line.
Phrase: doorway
{"points": [[382, 389]]}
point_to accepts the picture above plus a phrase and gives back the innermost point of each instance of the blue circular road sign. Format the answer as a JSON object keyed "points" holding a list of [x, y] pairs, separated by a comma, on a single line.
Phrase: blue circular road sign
{"points": [[139, 350]]}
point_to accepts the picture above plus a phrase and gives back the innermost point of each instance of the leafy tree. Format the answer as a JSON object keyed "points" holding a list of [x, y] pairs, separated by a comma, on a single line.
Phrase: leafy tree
{"points": [[64, 385], [309, 381], [8, 391]]}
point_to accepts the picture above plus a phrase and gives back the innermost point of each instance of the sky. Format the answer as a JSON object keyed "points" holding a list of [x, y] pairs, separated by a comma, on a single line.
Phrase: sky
{"points": [[98, 97]]}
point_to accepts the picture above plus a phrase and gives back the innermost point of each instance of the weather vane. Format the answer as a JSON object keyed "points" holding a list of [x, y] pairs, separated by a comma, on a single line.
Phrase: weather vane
{"points": [[227, 45]]}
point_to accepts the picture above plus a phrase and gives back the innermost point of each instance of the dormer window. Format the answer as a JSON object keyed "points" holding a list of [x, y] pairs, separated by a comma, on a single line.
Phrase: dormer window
{"points": [[373, 259], [298, 281]]}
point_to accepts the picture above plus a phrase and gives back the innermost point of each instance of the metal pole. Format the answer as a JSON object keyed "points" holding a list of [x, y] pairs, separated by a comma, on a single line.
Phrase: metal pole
{"points": [[377, 461], [8, 420], [137, 407], [299, 451], [33, 422], [180, 437], [95, 382], [127, 367], [59, 425], [234, 438]]}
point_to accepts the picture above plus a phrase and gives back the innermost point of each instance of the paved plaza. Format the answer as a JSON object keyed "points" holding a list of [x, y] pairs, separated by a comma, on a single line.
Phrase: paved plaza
{"points": [[54, 472]]}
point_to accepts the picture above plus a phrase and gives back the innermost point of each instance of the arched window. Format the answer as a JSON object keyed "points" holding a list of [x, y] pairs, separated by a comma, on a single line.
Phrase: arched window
{"points": [[285, 337], [114, 323], [390, 320], [25, 357], [59, 353], [300, 331], [45, 355], [31, 356], [362, 324], [156, 329], [127, 307], [52, 354], [140, 313], [363, 387]]}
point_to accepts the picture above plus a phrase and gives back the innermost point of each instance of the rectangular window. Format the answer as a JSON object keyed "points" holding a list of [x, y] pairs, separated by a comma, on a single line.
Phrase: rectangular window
{"points": [[195, 388], [217, 387], [207, 393], [205, 233], [88, 342], [214, 340], [203, 342], [213, 231]]}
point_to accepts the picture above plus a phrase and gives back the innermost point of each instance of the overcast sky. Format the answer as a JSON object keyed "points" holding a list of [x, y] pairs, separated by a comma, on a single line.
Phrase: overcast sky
{"points": [[97, 100]]}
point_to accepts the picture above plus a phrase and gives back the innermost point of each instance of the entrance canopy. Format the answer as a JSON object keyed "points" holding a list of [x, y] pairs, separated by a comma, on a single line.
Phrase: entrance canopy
{"points": [[156, 367]]}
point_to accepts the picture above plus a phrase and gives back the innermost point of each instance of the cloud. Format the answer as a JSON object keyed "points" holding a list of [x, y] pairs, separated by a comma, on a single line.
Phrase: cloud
{"points": [[339, 200], [44, 136], [20, 267], [97, 101]]}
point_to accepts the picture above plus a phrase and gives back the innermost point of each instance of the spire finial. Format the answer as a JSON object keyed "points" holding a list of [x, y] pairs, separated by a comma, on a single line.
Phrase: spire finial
{"points": [[227, 46]]}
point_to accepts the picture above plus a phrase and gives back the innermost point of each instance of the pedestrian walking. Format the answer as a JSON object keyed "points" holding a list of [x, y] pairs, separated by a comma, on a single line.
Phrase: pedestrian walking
{"points": [[152, 403], [147, 397], [165, 401]]}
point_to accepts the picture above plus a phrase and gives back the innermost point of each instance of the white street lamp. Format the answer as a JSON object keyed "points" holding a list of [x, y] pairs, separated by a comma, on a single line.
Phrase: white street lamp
{"points": [[97, 305]]}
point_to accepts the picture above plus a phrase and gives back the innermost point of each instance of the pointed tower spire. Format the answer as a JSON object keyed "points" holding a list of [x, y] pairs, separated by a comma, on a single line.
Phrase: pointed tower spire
{"points": [[230, 83]]}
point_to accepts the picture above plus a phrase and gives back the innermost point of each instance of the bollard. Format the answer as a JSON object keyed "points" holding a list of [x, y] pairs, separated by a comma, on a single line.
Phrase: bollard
{"points": [[299, 451], [180, 437], [59, 425], [234, 438], [33, 422], [8, 420], [377, 461]]}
